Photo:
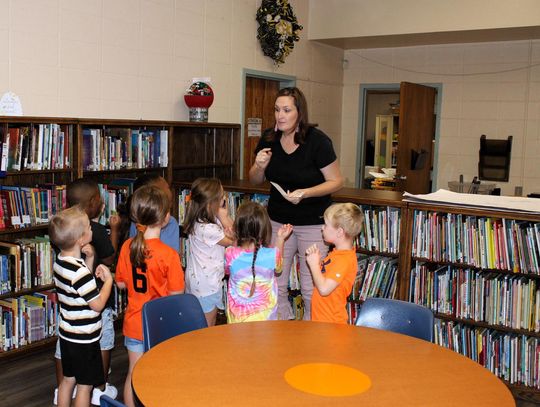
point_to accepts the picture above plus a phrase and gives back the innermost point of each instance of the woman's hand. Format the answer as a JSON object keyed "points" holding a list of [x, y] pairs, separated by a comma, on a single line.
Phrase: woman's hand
{"points": [[295, 196], [262, 159]]}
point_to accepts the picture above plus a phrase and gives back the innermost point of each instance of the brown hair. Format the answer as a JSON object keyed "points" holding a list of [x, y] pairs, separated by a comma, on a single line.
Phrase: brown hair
{"points": [[252, 225], [67, 226], [347, 216], [149, 207], [85, 193], [302, 121], [204, 193]]}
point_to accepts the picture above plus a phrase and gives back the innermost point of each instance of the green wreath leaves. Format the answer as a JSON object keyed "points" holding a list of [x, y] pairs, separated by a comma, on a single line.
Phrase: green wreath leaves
{"points": [[278, 29]]}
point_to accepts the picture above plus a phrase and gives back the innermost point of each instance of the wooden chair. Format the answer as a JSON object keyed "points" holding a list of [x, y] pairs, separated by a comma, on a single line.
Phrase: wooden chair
{"points": [[169, 316], [397, 316]]}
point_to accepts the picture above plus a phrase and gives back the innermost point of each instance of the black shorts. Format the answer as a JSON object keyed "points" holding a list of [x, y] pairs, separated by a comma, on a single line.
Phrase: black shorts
{"points": [[82, 361]]}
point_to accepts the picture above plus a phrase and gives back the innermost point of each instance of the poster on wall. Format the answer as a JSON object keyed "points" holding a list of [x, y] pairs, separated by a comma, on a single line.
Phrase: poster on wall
{"points": [[254, 126], [10, 105]]}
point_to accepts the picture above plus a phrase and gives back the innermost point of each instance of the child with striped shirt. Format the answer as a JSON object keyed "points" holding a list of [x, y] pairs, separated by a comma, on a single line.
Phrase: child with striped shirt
{"points": [[81, 303]]}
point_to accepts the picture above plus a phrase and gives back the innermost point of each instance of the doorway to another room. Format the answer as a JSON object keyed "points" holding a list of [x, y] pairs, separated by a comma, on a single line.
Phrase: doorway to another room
{"points": [[398, 137]]}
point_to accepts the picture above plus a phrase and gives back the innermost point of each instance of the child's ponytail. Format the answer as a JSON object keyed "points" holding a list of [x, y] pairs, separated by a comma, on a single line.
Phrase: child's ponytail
{"points": [[252, 289], [149, 207]]}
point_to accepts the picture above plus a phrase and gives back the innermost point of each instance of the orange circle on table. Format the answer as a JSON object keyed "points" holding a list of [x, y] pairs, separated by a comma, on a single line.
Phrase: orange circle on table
{"points": [[327, 379]]}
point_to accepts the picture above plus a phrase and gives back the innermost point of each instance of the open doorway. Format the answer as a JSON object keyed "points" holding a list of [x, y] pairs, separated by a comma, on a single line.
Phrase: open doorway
{"points": [[381, 132], [398, 137]]}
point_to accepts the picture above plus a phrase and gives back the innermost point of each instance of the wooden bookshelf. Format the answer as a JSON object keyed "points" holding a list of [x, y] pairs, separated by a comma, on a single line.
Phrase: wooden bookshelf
{"points": [[193, 149], [493, 247]]}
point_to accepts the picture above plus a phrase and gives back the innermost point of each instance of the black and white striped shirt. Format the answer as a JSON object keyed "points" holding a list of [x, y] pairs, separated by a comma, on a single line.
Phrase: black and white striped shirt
{"points": [[76, 287]]}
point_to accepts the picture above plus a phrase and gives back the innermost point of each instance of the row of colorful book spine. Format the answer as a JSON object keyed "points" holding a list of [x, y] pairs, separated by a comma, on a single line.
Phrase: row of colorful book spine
{"points": [[376, 277], [25, 264], [485, 242], [30, 206], [512, 357], [27, 319], [380, 229], [116, 148], [501, 299], [37, 147]]}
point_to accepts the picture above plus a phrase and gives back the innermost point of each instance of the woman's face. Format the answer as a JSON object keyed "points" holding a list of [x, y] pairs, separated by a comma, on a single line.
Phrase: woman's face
{"points": [[286, 114]]}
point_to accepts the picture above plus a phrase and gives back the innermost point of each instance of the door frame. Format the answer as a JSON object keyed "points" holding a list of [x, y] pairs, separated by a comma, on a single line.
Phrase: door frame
{"points": [[285, 81], [362, 105]]}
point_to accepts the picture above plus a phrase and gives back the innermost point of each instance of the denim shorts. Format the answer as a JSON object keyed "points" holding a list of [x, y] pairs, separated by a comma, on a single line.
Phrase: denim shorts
{"points": [[212, 301], [106, 342], [134, 345]]}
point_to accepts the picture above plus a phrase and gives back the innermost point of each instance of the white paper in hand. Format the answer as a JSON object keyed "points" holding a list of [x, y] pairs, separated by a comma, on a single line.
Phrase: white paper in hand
{"points": [[280, 190]]}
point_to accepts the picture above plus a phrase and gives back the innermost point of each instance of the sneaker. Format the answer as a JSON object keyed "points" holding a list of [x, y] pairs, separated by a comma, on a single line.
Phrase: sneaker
{"points": [[110, 391], [55, 398]]}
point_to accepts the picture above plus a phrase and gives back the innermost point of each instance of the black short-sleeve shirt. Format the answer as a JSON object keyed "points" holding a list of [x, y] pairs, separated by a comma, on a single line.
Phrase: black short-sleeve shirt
{"points": [[298, 170]]}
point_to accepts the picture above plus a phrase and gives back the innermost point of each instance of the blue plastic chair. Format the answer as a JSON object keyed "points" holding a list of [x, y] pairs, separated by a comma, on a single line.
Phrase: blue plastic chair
{"points": [[106, 401], [397, 316], [169, 316]]}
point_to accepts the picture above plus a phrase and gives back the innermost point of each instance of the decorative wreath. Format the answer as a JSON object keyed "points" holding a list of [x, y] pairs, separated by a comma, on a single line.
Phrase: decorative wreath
{"points": [[278, 29]]}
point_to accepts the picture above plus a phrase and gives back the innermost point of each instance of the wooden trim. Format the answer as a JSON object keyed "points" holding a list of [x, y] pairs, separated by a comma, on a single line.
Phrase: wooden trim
{"points": [[24, 350], [25, 291]]}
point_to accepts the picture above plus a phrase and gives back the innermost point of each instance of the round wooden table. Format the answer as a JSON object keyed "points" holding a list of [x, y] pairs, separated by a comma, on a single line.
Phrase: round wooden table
{"points": [[244, 365]]}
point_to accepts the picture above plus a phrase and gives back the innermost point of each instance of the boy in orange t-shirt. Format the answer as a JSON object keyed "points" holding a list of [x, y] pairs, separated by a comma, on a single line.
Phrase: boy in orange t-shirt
{"points": [[334, 277]]}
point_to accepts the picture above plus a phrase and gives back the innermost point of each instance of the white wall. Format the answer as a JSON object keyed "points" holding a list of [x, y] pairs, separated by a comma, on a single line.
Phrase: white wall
{"points": [[135, 58], [474, 102], [353, 18]]}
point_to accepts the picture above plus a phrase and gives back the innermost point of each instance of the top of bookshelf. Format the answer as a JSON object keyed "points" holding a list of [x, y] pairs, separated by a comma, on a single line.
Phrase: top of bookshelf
{"points": [[365, 196], [113, 122]]}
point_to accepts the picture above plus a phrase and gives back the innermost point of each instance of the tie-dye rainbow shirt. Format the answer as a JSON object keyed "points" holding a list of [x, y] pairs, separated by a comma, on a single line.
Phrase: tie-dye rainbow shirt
{"points": [[262, 306]]}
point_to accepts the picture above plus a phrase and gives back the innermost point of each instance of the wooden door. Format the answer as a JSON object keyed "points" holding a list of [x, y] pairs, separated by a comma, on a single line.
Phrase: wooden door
{"points": [[259, 103], [416, 136]]}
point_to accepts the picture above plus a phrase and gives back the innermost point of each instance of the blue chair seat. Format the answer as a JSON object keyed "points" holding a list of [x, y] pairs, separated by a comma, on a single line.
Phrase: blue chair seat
{"points": [[169, 316], [397, 316]]}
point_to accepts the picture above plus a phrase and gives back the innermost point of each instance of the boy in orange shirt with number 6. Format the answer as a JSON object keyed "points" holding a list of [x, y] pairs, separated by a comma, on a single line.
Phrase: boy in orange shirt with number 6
{"points": [[334, 277]]}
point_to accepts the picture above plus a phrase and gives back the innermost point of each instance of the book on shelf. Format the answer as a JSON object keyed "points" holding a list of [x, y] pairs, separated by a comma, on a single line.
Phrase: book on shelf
{"points": [[27, 319], [124, 148]]}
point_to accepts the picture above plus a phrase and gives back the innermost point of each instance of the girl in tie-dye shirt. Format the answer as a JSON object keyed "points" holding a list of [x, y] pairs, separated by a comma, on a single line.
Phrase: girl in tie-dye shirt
{"points": [[252, 266]]}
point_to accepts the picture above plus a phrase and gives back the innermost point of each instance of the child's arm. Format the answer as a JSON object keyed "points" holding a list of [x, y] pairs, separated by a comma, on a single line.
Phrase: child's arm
{"points": [[323, 284], [89, 255], [223, 216], [98, 303], [114, 223], [283, 233]]}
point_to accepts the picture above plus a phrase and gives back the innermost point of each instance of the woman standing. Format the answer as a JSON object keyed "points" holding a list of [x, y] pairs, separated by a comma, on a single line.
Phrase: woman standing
{"points": [[301, 159]]}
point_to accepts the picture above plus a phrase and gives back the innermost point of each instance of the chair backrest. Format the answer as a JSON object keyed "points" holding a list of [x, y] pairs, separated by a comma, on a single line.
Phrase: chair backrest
{"points": [[397, 316], [106, 401], [169, 316]]}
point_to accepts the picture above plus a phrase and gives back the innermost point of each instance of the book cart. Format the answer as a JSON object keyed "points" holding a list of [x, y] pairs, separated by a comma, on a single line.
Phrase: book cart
{"points": [[479, 271], [40, 156]]}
